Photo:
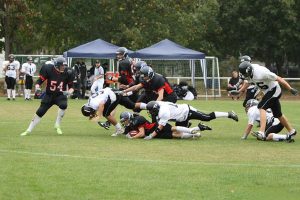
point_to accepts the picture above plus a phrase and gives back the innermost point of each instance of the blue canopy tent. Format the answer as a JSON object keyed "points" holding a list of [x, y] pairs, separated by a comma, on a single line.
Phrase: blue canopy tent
{"points": [[94, 49], [168, 50]]}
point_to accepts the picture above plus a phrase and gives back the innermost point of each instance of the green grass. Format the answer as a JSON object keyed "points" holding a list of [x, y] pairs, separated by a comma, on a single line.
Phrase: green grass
{"points": [[87, 163]]}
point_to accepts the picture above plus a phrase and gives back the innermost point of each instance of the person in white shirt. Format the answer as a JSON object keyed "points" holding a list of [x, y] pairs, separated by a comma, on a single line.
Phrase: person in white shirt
{"points": [[273, 125], [268, 83], [11, 70], [28, 68], [98, 78], [103, 103], [180, 113]]}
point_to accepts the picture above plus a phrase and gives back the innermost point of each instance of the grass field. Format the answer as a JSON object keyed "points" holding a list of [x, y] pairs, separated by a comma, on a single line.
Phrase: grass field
{"points": [[87, 163]]}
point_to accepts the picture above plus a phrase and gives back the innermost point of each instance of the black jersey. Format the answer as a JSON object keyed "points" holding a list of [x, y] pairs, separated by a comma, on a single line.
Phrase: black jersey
{"points": [[56, 81], [125, 72], [140, 121], [157, 83]]}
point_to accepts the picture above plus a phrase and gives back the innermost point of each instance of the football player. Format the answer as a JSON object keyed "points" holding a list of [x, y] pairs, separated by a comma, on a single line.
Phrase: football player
{"points": [[159, 85], [144, 128], [268, 83], [11, 70], [273, 125], [181, 114], [28, 69], [59, 85], [103, 103]]}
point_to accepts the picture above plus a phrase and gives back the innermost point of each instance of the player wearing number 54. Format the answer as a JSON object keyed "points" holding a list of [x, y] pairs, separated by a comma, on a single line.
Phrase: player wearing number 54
{"points": [[58, 77], [269, 83]]}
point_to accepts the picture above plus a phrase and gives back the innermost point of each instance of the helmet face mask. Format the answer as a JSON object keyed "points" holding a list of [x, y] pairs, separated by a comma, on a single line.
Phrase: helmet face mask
{"points": [[245, 68], [126, 118], [153, 108], [121, 53], [147, 73], [60, 64], [87, 111]]}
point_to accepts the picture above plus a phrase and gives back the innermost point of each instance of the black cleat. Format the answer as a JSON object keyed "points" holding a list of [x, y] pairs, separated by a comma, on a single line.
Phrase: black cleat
{"points": [[203, 127], [104, 125], [233, 116], [289, 136]]}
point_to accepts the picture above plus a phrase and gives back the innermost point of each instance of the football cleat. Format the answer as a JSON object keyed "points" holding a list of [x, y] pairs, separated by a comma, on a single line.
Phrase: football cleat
{"points": [[104, 125], [289, 136], [258, 135], [58, 130], [27, 132], [118, 132], [203, 127], [233, 116]]}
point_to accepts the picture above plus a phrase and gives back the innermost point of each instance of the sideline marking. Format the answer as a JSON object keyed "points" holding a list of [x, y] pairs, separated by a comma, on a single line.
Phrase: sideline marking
{"points": [[151, 161]]}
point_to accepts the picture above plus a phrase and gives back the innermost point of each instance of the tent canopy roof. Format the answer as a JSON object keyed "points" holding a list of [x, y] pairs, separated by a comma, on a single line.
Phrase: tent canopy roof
{"points": [[94, 49], [168, 50]]}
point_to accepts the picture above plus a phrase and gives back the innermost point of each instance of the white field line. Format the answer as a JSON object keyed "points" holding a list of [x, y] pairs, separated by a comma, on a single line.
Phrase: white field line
{"points": [[263, 165]]}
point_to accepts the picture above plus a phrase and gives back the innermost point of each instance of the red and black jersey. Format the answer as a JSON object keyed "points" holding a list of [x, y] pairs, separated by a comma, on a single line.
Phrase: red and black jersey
{"points": [[157, 83], [125, 72], [140, 121], [56, 81]]}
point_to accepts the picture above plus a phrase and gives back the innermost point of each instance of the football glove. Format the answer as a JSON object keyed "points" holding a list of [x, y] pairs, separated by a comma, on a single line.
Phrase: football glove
{"points": [[294, 91], [128, 136], [149, 137]]}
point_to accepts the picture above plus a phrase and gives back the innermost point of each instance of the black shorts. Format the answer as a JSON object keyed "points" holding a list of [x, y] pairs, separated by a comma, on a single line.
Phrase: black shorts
{"points": [[165, 133], [10, 82], [109, 107], [270, 128], [28, 82], [51, 99], [269, 101]]}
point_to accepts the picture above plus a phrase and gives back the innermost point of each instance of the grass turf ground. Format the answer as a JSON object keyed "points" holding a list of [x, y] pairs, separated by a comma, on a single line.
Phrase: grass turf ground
{"points": [[87, 163]]}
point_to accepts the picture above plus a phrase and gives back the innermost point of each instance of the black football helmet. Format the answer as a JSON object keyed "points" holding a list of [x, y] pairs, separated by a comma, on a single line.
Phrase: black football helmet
{"points": [[138, 65], [87, 111], [125, 118], [121, 53], [246, 69], [153, 107], [147, 71], [245, 58], [60, 63]]}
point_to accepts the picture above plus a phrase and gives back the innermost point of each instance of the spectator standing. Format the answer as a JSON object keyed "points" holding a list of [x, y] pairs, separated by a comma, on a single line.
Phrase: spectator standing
{"points": [[28, 68]]}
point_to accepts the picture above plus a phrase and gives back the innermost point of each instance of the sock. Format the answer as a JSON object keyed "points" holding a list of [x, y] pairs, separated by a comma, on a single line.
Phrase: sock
{"points": [[28, 93], [36, 119], [8, 93], [183, 129], [14, 94], [186, 135], [25, 94], [278, 137], [143, 106], [293, 131], [221, 114], [60, 115], [118, 126]]}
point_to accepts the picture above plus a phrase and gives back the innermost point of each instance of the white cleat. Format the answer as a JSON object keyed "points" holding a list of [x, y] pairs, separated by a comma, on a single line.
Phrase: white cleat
{"points": [[25, 133]]}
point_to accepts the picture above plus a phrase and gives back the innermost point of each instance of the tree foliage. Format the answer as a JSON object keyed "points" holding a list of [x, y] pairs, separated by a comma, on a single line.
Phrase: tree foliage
{"points": [[266, 30]]}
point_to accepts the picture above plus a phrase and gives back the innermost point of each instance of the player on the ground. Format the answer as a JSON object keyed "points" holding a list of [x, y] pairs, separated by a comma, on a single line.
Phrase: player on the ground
{"points": [[103, 103], [59, 85], [268, 83], [181, 114], [273, 125], [144, 128]]}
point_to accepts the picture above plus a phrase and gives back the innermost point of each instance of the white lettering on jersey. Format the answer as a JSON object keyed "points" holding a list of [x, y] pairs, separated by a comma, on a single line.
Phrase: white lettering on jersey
{"points": [[101, 97]]}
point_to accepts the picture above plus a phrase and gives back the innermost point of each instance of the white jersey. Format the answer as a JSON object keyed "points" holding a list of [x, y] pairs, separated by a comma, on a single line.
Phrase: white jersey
{"points": [[254, 115], [170, 111], [11, 69], [99, 71], [101, 97], [28, 68], [265, 79]]}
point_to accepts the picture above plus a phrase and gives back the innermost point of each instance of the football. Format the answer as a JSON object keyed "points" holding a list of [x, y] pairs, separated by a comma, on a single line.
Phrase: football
{"points": [[133, 133]]}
